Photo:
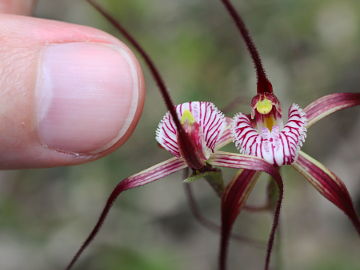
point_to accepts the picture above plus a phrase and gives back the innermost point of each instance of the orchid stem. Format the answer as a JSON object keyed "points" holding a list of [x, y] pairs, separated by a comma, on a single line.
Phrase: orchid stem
{"points": [[211, 226], [184, 140], [279, 249], [263, 83], [275, 225]]}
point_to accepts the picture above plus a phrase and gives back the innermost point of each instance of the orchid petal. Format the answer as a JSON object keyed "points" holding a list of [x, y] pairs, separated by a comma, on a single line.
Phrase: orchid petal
{"points": [[326, 105], [149, 175], [233, 201], [328, 184], [212, 124]]}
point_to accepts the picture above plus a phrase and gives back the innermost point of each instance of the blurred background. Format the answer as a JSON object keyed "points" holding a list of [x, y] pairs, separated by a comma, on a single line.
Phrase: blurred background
{"points": [[309, 48]]}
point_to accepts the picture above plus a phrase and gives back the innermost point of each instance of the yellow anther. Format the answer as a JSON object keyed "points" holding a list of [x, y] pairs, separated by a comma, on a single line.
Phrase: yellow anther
{"points": [[187, 117], [264, 106]]}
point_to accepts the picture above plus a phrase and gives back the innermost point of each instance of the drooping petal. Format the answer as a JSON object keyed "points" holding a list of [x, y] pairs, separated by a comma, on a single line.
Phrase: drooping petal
{"points": [[328, 184], [276, 146], [212, 125], [326, 105], [232, 200], [232, 203], [153, 173]]}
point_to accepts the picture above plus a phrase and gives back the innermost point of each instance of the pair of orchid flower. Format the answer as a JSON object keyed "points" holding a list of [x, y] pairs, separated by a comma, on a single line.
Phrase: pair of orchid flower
{"points": [[193, 132]]}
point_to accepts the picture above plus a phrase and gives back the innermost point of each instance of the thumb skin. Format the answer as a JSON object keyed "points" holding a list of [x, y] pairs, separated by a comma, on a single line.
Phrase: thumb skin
{"points": [[21, 7], [69, 93]]}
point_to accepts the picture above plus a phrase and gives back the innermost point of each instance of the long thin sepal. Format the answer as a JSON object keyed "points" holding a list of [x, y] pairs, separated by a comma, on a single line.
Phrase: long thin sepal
{"points": [[326, 105], [241, 161], [263, 84], [153, 173], [328, 184], [233, 200], [184, 140]]}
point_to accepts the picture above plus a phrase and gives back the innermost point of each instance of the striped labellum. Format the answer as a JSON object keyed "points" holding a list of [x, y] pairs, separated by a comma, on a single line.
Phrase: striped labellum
{"points": [[205, 125], [265, 136]]}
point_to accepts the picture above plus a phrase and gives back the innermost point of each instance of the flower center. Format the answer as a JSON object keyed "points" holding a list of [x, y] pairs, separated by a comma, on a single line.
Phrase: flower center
{"points": [[264, 106], [194, 131], [266, 115], [263, 135], [206, 127], [187, 118]]}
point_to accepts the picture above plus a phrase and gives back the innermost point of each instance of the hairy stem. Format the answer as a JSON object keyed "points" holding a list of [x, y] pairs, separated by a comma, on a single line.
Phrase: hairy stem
{"points": [[263, 83], [184, 141], [275, 224]]}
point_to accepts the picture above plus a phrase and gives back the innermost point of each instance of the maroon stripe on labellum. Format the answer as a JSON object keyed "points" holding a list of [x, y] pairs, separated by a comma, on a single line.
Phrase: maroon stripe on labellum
{"points": [[328, 184], [153, 173], [326, 105], [226, 136], [278, 147], [211, 121]]}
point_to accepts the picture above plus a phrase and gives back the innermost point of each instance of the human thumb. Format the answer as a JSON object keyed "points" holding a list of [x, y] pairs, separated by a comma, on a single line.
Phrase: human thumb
{"points": [[69, 93]]}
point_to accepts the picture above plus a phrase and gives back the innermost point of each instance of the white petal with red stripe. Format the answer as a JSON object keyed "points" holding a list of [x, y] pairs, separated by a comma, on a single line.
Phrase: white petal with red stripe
{"points": [[277, 146], [212, 126]]}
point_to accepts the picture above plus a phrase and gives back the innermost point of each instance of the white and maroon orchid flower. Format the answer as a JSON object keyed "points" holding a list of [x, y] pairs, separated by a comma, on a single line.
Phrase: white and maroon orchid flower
{"points": [[208, 130], [264, 135], [206, 126], [192, 132]]}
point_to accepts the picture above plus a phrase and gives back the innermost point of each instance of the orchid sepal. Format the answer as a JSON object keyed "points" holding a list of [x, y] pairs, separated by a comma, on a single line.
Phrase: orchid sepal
{"points": [[329, 104], [233, 201], [234, 197], [241, 161], [328, 184], [144, 177]]}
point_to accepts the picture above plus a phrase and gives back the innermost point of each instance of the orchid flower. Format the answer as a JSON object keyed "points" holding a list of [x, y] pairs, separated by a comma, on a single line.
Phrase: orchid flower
{"points": [[263, 134], [192, 132]]}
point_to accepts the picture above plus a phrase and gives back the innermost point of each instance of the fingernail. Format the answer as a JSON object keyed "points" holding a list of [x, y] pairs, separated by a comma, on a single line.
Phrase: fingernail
{"points": [[87, 95]]}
